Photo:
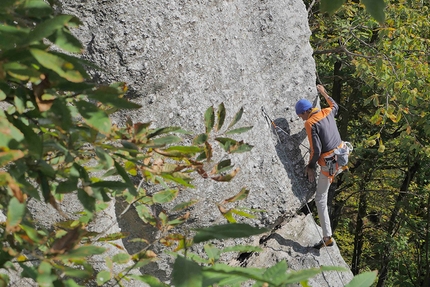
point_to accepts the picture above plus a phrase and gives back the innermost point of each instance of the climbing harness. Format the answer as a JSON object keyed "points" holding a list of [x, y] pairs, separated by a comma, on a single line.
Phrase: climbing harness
{"points": [[276, 129]]}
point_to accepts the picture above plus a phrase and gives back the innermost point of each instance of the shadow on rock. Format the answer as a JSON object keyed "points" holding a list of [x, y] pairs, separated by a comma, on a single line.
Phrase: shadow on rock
{"points": [[290, 243], [289, 149]]}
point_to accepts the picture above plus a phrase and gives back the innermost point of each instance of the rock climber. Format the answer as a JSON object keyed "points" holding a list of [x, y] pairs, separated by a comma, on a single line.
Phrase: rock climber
{"points": [[324, 138]]}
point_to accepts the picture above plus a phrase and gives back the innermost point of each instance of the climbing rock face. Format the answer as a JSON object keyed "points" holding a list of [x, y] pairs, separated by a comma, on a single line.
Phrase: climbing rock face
{"points": [[181, 57]]}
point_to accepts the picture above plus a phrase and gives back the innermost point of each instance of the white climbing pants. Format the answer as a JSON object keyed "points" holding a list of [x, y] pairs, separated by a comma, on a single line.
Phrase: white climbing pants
{"points": [[321, 202]]}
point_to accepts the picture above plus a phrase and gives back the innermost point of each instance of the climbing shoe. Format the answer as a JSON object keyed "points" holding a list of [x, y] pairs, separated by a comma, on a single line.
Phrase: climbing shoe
{"points": [[324, 243]]}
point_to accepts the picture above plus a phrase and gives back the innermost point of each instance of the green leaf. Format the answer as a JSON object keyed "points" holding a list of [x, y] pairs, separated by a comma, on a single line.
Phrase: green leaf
{"points": [[15, 213], [226, 143], [161, 131], [33, 141], [209, 119], [186, 273], [111, 96], [223, 166], [240, 147], [375, 9], [121, 258], [236, 118], [47, 28], [94, 117], [221, 117], [82, 252], [53, 62], [105, 159], [103, 277], [184, 205], [44, 274], [236, 230], [66, 41], [176, 178], [113, 236], [114, 185], [276, 273], [35, 8], [331, 6], [243, 194], [162, 141], [212, 252], [121, 171], [165, 196], [363, 280], [239, 130], [201, 138], [180, 151], [9, 156], [150, 280]]}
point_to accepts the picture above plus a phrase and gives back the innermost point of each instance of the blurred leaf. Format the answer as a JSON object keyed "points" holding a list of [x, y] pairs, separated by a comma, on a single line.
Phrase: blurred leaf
{"points": [[221, 117], [94, 117], [104, 157], [226, 177], [58, 65], [163, 141], [121, 258], [375, 9], [236, 230], [114, 185], [9, 156], [166, 130], [176, 178], [236, 118], [226, 143], [180, 151], [33, 141], [66, 41], [47, 28], [82, 252], [184, 205], [150, 280], [186, 273], [222, 166], [239, 130], [365, 279], [243, 194], [113, 236], [15, 213], [165, 196], [212, 252], [201, 138], [34, 8], [209, 119], [331, 6], [111, 96], [240, 147], [103, 277]]}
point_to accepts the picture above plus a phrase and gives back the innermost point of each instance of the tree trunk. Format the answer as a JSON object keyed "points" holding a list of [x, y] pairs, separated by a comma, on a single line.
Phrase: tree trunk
{"points": [[386, 256], [426, 282], [358, 237]]}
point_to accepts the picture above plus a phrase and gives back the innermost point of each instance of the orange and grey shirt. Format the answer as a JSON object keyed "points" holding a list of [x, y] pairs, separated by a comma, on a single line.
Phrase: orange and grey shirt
{"points": [[322, 132]]}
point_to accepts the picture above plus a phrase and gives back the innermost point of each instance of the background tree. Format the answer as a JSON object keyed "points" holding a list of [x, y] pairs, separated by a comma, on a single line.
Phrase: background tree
{"points": [[380, 76]]}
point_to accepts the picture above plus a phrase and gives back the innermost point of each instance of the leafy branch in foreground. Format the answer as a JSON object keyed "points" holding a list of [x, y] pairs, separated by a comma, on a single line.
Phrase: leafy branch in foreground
{"points": [[58, 140]]}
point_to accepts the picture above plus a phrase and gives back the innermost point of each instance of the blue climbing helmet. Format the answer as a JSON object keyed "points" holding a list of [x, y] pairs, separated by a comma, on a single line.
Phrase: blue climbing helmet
{"points": [[302, 106]]}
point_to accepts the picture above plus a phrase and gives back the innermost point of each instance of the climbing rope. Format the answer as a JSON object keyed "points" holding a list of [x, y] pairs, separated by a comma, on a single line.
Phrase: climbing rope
{"points": [[276, 129]]}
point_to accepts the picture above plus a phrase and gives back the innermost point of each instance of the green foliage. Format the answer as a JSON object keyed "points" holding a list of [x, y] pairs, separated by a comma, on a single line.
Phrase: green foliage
{"points": [[379, 74], [374, 7], [57, 139]]}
